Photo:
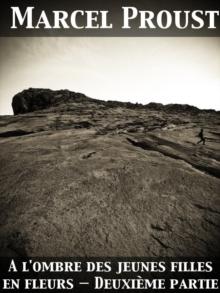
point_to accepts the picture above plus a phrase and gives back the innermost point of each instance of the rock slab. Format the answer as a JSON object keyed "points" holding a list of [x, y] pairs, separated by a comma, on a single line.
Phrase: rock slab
{"points": [[83, 177]]}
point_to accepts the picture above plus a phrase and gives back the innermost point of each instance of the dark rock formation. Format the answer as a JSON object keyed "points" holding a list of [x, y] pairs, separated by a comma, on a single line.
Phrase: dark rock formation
{"points": [[38, 99], [81, 177]]}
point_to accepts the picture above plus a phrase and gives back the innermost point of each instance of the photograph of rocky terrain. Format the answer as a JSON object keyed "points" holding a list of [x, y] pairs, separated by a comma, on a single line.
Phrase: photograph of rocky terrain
{"points": [[85, 177]]}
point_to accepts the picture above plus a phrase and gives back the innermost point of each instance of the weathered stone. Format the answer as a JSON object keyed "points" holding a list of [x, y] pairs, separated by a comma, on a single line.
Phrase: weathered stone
{"points": [[85, 177]]}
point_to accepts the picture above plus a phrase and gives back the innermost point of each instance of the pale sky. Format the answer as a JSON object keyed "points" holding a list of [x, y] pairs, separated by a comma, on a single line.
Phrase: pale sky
{"points": [[165, 70]]}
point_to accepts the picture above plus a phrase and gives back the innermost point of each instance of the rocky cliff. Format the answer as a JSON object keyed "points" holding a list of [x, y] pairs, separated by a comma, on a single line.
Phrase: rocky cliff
{"points": [[83, 177]]}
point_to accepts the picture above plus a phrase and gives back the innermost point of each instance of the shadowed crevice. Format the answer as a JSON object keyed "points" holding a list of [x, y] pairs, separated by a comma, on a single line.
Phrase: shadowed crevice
{"points": [[13, 133], [152, 146]]}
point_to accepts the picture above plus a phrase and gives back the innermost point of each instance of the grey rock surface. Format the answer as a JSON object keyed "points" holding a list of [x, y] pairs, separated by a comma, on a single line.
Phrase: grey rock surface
{"points": [[82, 177]]}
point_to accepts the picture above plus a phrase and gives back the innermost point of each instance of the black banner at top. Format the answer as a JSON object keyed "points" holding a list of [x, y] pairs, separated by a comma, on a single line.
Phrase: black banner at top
{"points": [[128, 18]]}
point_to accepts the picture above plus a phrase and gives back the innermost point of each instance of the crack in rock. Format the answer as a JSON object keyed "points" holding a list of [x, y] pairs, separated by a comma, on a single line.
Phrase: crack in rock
{"points": [[206, 209], [160, 242], [152, 146], [13, 133], [86, 156]]}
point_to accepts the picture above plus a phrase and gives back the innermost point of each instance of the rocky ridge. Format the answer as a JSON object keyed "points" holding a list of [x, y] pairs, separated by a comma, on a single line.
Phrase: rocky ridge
{"points": [[85, 177]]}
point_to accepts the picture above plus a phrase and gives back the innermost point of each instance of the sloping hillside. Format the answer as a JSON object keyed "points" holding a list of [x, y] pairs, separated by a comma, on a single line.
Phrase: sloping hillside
{"points": [[82, 177]]}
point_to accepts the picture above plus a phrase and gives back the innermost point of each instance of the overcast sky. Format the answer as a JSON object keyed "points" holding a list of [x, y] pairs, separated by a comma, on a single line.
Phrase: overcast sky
{"points": [[165, 70]]}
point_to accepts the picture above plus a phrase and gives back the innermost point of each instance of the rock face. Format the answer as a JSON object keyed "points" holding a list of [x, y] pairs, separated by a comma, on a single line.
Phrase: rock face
{"points": [[32, 99], [82, 177]]}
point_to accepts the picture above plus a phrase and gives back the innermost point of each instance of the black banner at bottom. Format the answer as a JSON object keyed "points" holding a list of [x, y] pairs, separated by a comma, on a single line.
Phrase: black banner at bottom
{"points": [[109, 274]]}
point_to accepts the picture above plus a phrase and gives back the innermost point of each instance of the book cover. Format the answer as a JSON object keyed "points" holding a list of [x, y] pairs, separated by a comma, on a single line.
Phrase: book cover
{"points": [[109, 145]]}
